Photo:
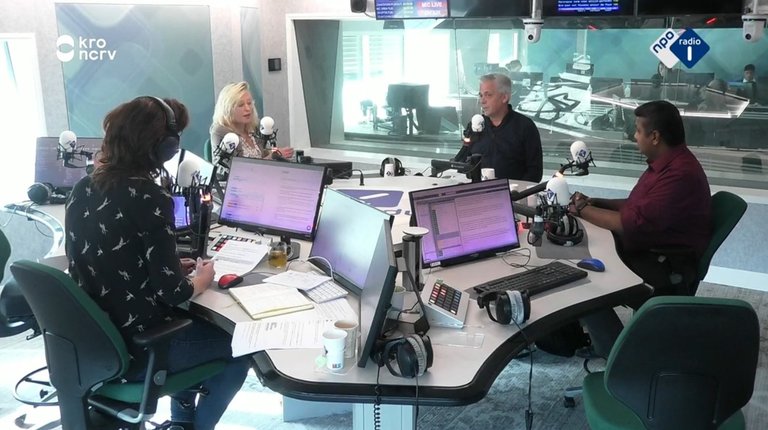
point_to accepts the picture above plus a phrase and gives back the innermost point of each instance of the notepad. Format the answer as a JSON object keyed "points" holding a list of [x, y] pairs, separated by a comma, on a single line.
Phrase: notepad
{"points": [[268, 300]]}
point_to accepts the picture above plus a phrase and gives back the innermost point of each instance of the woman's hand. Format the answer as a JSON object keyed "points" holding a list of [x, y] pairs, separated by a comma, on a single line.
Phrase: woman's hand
{"points": [[286, 152], [187, 266]]}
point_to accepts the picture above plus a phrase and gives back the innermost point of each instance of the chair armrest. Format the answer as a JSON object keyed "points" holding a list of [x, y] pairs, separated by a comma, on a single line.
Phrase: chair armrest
{"points": [[160, 333]]}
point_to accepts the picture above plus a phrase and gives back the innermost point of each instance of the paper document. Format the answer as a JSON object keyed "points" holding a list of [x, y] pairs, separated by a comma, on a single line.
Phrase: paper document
{"points": [[301, 280], [268, 300], [238, 257], [250, 337]]}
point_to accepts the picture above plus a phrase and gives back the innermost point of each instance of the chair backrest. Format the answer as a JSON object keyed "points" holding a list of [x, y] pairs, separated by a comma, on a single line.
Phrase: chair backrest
{"points": [[685, 362], [727, 210], [82, 345], [5, 253], [208, 151]]}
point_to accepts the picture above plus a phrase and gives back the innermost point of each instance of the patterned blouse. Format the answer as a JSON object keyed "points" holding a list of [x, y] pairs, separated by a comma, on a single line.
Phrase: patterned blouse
{"points": [[121, 249]]}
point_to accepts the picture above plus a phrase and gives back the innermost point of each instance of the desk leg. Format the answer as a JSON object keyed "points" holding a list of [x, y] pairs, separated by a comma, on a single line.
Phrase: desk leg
{"points": [[294, 409], [393, 417]]}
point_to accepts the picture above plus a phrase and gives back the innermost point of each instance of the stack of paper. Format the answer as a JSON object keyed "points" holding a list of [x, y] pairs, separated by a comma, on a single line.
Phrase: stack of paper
{"points": [[238, 257]]}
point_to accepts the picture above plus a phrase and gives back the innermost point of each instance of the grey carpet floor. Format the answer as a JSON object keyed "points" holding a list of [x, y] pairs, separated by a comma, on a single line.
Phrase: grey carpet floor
{"points": [[503, 407]]}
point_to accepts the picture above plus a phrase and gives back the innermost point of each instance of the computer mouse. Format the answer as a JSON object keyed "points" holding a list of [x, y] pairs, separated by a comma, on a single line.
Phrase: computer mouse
{"points": [[592, 264], [229, 280]]}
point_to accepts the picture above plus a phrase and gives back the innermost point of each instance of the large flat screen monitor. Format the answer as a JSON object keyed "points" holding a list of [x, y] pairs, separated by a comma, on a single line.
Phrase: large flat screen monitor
{"points": [[411, 9], [465, 221], [273, 197], [376, 297], [588, 8], [347, 237], [63, 173], [689, 7]]}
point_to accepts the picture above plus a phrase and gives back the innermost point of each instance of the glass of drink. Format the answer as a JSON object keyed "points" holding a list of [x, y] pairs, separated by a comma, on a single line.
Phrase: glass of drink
{"points": [[278, 255]]}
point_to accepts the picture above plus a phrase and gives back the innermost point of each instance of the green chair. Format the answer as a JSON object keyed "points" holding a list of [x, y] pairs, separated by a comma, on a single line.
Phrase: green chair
{"points": [[86, 355], [681, 363], [15, 315], [207, 151]]}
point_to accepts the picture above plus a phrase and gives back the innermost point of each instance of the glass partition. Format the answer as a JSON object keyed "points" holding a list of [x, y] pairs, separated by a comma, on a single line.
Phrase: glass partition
{"points": [[410, 87]]}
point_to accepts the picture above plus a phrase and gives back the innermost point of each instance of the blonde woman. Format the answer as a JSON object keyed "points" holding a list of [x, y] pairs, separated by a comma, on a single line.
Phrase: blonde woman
{"points": [[236, 113]]}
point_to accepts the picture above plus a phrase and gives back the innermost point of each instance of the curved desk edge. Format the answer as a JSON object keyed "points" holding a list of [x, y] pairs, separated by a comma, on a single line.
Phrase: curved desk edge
{"points": [[31, 211]]}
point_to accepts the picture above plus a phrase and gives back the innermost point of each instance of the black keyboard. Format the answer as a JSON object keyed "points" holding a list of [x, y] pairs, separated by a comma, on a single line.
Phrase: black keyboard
{"points": [[536, 280]]}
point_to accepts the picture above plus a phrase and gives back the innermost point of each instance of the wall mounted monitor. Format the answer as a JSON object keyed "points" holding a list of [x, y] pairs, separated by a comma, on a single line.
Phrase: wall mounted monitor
{"points": [[347, 237], [689, 7], [465, 222], [63, 172], [376, 297], [411, 9], [490, 8], [273, 197], [551, 8]]}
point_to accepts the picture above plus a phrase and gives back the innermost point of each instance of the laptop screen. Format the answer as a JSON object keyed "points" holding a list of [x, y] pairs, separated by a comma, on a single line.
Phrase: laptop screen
{"points": [[465, 221]]}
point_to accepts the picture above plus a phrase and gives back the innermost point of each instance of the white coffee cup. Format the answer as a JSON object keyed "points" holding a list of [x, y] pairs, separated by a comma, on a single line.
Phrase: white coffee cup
{"points": [[350, 342], [487, 173], [389, 169], [333, 343], [398, 298]]}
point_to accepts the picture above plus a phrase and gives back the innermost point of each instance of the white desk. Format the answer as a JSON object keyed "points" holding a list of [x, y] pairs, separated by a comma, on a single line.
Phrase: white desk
{"points": [[460, 375]]}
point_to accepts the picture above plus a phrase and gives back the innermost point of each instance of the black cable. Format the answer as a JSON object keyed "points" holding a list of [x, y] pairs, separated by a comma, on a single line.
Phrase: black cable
{"points": [[529, 410], [377, 401], [416, 412]]}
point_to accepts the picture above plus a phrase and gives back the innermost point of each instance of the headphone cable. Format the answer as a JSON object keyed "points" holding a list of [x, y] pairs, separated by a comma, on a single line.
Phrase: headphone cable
{"points": [[529, 410], [377, 402]]}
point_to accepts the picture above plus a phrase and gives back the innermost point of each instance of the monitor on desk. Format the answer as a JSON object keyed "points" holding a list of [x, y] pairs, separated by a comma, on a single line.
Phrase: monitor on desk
{"points": [[346, 239], [465, 221], [376, 297], [273, 197], [61, 173]]}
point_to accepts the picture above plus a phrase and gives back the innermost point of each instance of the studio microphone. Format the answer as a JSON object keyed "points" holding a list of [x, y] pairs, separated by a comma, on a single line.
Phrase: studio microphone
{"points": [[189, 174], [222, 155], [557, 192], [470, 135], [67, 141], [581, 158], [268, 132], [68, 150]]}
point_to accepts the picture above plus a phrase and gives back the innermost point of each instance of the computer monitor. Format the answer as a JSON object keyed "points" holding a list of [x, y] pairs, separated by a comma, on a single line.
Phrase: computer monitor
{"points": [[408, 96], [376, 297], [273, 197], [699, 79], [181, 216], [61, 173], [465, 222], [410, 9], [346, 238]]}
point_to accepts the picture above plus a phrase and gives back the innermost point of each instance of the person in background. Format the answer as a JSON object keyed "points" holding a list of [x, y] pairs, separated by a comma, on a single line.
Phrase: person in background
{"points": [[749, 84], [121, 249], [235, 112], [668, 208], [510, 142]]}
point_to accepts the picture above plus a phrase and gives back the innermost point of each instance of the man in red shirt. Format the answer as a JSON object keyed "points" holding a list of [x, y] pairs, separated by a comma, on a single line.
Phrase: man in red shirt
{"points": [[669, 207]]}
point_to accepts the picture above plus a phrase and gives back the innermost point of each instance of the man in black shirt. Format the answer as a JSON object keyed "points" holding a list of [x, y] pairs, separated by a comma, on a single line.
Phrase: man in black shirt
{"points": [[509, 142]]}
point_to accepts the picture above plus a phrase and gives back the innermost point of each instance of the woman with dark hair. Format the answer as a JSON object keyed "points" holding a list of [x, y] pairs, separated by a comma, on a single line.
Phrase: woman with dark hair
{"points": [[121, 248]]}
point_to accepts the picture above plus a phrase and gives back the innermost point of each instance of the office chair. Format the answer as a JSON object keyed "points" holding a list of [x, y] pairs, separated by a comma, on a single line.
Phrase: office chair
{"points": [[208, 151], [682, 362], [87, 355], [15, 315], [727, 210]]}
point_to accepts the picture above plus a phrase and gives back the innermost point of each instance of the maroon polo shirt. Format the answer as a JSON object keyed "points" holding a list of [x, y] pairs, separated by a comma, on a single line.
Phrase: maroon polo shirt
{"points": [[670, 205]]}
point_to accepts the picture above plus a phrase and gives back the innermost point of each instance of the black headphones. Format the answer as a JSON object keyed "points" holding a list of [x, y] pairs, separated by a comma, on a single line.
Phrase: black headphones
{"points": [[506, 307], [399, 169], [565, 232], [412, 355], [169, 146], [44, 193]]}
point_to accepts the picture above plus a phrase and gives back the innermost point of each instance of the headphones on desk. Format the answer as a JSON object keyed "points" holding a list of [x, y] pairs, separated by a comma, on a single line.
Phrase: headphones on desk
{"points": [[565, 232], [43, 193], [408, 356], [170, 143], [399, 169], [506, 307]]}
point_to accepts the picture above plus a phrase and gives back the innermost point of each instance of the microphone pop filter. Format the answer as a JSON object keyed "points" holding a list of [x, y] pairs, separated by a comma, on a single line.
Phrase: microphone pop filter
{"points": [[579, 152], [478, 123], [67, 138], [558, 192], [229, 142], [187, 172], [266, 126]]}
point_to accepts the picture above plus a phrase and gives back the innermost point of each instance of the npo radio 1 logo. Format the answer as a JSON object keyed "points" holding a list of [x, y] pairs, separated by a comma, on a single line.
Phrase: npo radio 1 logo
{"points": [[686, 46], [84, 48]]}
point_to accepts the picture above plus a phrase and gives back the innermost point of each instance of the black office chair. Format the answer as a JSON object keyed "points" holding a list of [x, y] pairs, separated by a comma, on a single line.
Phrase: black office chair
{"points": [[87, 356], [15, 315], [681, 363]]}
